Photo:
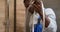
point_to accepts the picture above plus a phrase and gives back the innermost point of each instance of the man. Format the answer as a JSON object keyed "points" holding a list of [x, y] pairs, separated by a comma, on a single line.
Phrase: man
{"points": [[50, 18]]}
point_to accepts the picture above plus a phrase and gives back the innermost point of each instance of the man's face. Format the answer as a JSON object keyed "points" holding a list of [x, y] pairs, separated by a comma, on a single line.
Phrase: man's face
{"points": [[26, 3]]}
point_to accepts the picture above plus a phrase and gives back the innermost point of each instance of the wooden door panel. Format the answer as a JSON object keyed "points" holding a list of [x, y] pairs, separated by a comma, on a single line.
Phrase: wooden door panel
{"points": [[20, 16], [2, 15]]}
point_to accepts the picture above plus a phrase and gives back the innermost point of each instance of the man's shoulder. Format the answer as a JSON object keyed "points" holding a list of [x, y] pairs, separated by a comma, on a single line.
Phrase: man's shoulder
{"points": [[49, 11]]}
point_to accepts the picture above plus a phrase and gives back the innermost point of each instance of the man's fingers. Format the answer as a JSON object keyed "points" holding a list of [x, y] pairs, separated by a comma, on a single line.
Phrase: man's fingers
{"points": [[35, 6], [38, 7]]}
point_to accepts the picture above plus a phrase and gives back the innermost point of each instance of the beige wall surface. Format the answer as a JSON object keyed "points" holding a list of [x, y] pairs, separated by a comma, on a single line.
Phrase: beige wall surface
{"points": [[20, 16], [11, 15], [2, 15]]}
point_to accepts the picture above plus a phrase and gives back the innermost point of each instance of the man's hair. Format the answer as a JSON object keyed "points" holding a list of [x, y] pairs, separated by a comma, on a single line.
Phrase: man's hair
{"points": [[26, 3]]}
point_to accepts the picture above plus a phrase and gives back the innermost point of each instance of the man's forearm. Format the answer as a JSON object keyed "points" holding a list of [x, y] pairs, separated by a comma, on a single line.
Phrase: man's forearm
{"points": [[47, 21]]}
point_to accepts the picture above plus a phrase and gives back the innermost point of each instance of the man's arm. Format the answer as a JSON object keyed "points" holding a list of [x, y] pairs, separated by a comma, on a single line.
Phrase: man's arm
{"points": [[38, 9]]}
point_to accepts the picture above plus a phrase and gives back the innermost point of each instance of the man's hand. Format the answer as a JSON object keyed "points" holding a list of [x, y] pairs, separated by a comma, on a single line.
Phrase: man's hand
{"points": [[38, 8]]}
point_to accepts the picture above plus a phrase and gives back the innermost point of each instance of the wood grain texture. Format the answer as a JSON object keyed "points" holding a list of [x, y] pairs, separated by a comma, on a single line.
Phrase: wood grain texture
{"points": [[2, 15], [20, 16], [11, 15]]}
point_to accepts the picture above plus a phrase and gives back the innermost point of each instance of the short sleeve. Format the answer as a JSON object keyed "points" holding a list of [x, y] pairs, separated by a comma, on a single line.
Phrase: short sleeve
{"points": [[50, 13], [52, 26]]}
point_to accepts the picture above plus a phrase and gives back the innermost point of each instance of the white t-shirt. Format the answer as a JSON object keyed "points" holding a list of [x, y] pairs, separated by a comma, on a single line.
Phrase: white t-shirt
{"points": [[52, 17]]}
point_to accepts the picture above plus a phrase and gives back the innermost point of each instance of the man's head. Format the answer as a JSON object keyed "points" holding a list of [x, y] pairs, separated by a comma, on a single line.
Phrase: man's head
{"points": [[26, 3], [36, 2]]}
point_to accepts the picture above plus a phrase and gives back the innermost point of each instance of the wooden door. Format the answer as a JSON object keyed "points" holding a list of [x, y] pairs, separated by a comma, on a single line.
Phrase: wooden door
{"points": [[2, 15], [20, 16]]}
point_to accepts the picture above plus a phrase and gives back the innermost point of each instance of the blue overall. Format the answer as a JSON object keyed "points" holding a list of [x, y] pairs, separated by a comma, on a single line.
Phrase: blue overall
{"points": [[38, 27]]}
